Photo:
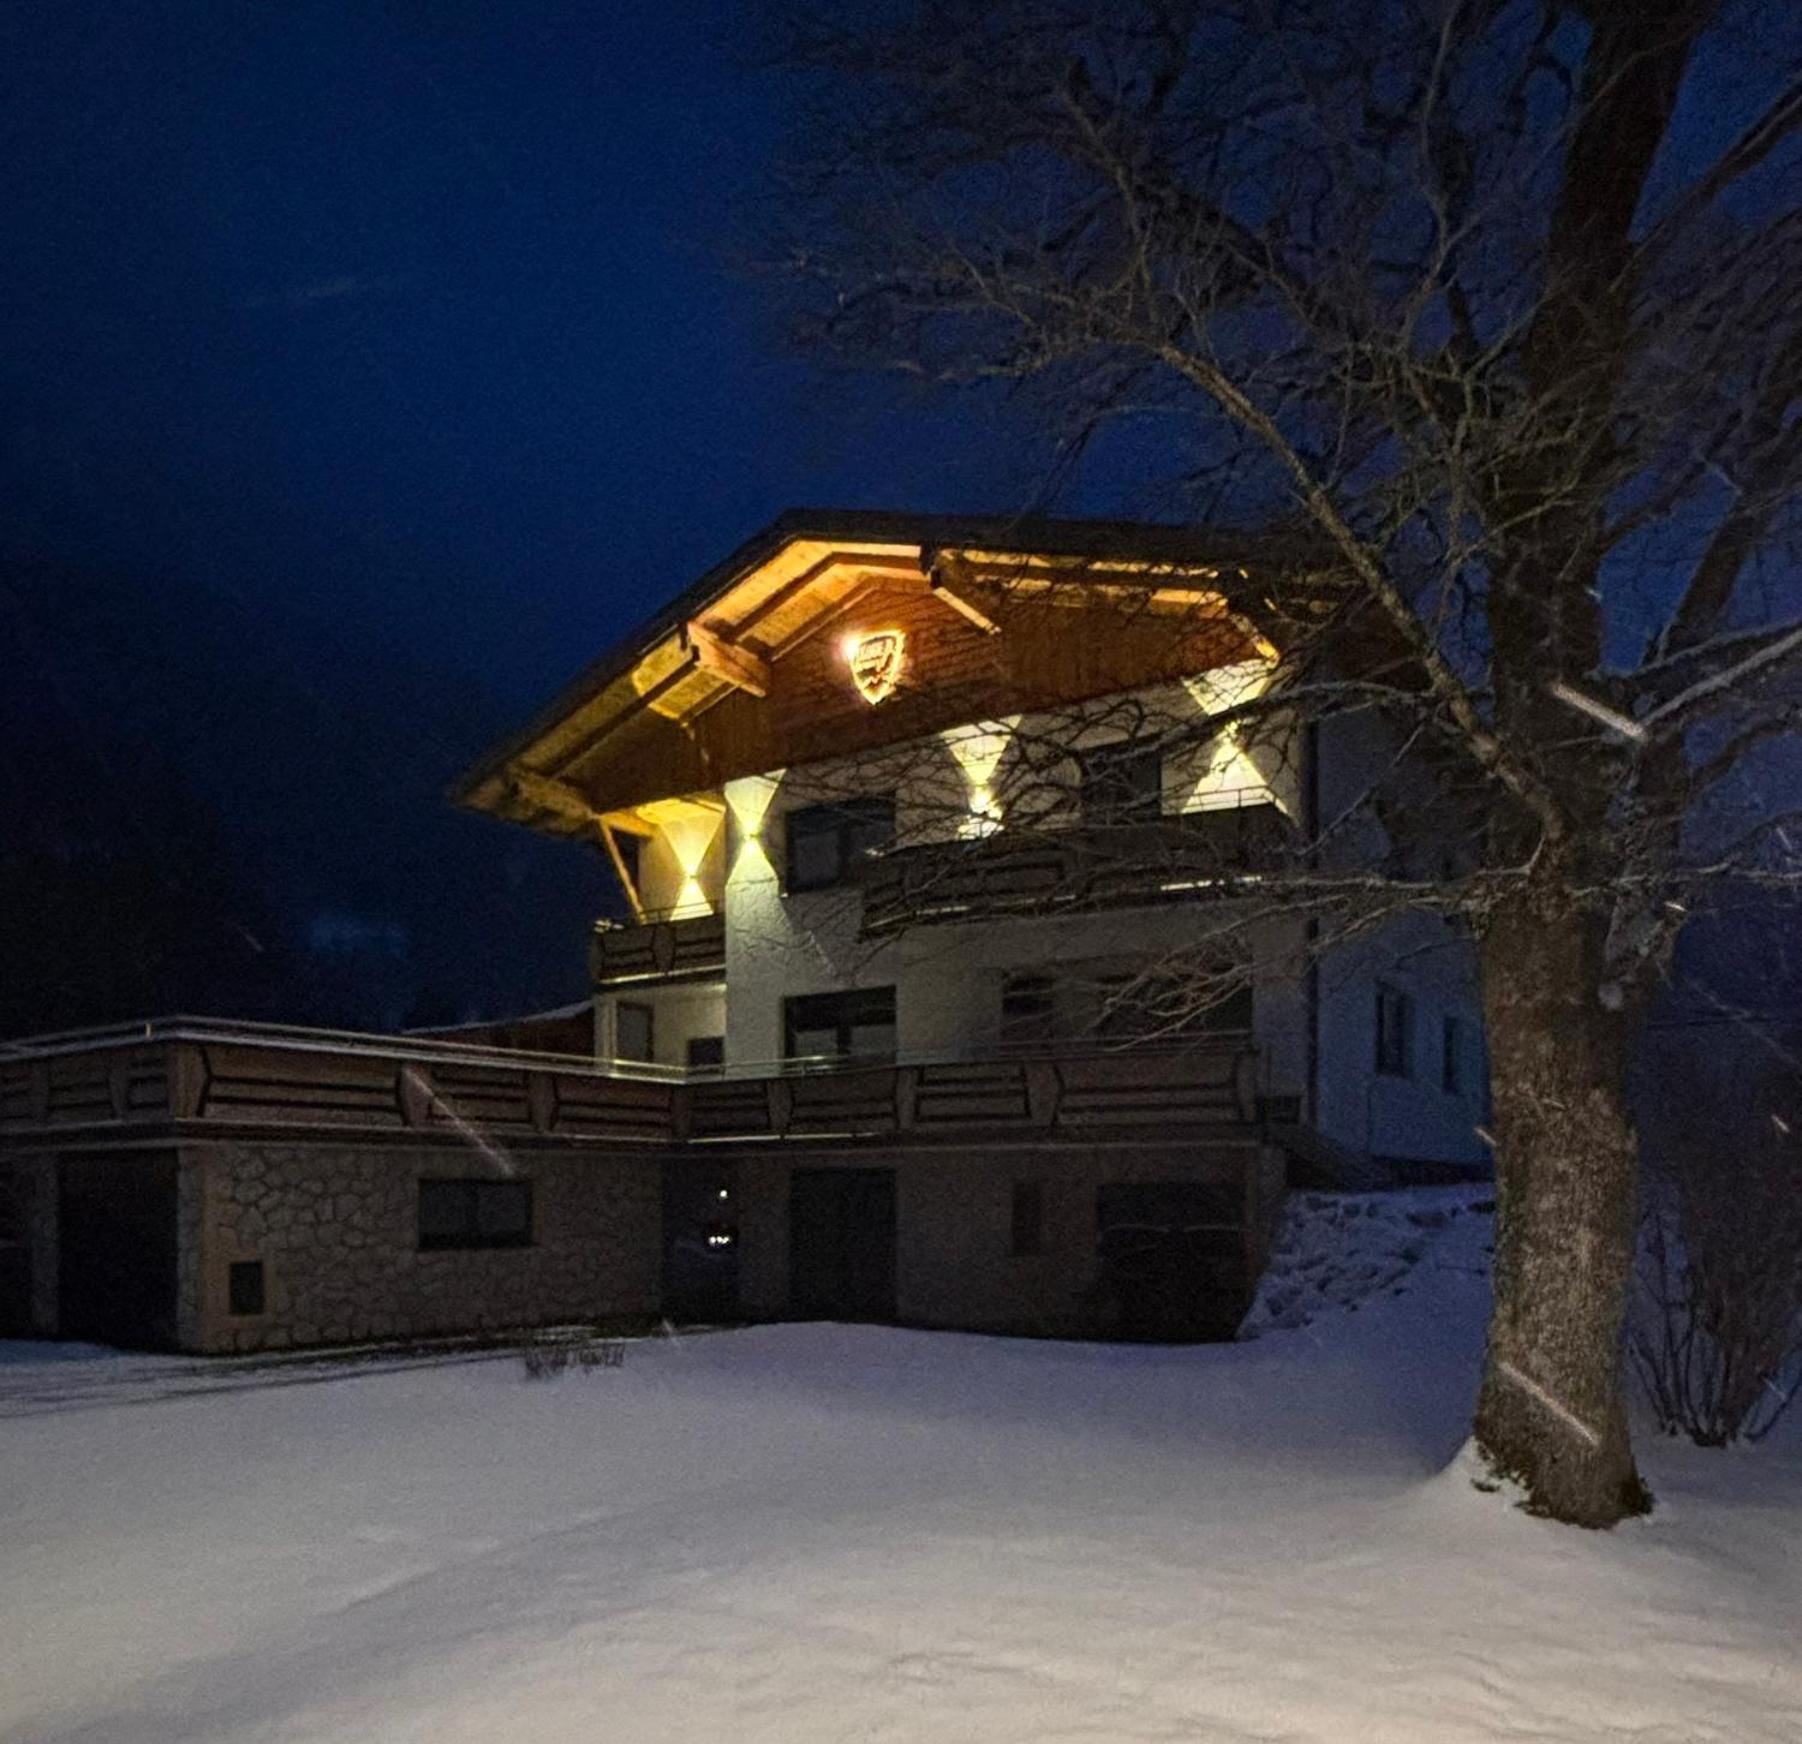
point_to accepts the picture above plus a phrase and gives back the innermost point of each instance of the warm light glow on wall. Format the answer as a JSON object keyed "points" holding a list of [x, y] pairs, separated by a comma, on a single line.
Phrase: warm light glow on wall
{"points": [[978, 750], [688, 828], [750, 799], [1230, 775]]}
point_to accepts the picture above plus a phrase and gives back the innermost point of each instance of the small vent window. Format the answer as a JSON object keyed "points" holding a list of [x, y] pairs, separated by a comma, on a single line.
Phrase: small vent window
{"points": [[244, 1287]]}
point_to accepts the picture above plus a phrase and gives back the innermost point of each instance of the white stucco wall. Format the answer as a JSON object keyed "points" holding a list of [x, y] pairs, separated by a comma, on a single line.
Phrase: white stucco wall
{"points": [[678, 1014], [948, 977]]}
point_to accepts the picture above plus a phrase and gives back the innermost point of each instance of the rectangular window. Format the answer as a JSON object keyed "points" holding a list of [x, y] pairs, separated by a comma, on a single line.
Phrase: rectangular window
{"points": [[858, 1023], [1454, 1066], [634, 1032], [470, 1214], [1028, 1233], [1028, 1009], [826, 844], [705, 1052], [1395, 1033], [1121, 783], [244, 1286]]}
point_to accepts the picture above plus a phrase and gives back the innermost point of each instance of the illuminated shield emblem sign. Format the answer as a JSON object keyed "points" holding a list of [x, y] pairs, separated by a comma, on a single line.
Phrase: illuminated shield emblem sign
{"points": [[875, 660]]}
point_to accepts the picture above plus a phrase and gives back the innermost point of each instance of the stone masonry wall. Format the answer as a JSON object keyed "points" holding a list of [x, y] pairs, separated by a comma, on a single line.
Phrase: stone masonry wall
{"points": [[336, 1227]]}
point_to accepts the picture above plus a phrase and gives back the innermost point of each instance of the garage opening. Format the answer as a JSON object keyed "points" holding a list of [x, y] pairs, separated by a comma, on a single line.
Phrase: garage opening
{"points": [[1172, 1260], [116, 1249], [841, 1244]]}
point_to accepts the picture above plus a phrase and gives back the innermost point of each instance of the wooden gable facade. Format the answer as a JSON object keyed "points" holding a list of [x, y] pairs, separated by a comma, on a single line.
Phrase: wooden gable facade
{"points": [[750, 671]]}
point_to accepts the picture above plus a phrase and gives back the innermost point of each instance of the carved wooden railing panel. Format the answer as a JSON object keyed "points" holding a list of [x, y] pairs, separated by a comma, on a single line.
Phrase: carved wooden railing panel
{"points": [[207, 1075], [1053, 871], [657, 948]]}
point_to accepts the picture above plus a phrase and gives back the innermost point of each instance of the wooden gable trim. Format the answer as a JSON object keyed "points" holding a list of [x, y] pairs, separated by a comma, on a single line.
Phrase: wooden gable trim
{"points": [[731, 661]]}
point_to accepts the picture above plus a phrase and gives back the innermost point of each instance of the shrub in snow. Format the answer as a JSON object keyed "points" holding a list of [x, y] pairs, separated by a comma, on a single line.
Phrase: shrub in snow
{"points": [[1715, 1335], [550, 1354]]}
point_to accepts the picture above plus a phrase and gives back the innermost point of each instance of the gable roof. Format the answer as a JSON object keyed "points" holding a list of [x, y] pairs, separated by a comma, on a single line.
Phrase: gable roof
{"points": [[901, 538]]}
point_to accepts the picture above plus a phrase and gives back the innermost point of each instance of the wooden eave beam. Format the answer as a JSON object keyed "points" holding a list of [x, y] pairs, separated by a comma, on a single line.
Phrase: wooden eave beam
{"points": [[626, 882], [646, 699], [736, 664], [547, 793], [949, 582]]}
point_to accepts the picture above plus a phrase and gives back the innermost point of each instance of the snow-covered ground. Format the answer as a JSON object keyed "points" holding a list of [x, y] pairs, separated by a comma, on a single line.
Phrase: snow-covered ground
{"points": [[831, 1533]]}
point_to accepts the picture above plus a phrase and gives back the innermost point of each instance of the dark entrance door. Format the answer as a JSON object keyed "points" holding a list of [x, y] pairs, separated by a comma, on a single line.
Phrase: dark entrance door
{"points": [[700, 1238], [1172, 1259], [116, 1249], [841, 1244]]}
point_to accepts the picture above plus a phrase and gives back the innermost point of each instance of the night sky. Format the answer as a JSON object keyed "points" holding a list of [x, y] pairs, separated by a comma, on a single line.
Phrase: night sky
{"points": [[424, 311], [368, 368]]}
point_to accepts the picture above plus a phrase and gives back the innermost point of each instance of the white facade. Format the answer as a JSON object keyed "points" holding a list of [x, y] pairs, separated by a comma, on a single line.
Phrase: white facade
{"points": [[1314, 1026]]}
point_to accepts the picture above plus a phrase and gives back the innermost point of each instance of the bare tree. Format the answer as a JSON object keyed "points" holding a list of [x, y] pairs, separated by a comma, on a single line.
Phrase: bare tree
{"points": [[1502, 304]]}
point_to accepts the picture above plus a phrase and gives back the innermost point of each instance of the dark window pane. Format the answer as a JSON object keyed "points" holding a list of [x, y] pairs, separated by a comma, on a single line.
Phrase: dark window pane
{"points": [[859, 1020], [1395, 1033], [474, 1214], [1121, 782], [444, 1211], [827, 843], [867, 1040], [244, 1286], [503, 1212], [633, 1032], [706, 1051], [814, 861]]}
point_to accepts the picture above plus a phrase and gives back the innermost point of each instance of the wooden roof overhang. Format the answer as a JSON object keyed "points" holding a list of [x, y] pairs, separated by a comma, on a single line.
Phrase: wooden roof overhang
{"points": [[743, 673]]}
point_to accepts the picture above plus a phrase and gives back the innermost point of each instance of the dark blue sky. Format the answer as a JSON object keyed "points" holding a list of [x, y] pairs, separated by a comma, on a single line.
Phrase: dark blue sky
{"points": [[418, 312]]}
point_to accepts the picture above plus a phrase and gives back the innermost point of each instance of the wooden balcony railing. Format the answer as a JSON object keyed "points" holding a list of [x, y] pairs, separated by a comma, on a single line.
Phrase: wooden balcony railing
{"points": [[1057, 871], [659, 948], [177, 1076], [189, 1073]]}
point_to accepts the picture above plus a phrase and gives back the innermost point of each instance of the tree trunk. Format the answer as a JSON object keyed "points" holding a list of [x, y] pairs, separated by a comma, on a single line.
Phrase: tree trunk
{"points": [[1552, 1415]]}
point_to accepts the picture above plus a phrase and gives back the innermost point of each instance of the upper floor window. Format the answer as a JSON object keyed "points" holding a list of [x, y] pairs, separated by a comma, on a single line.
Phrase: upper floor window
{"points": [[836, 1026], [1121, 783], [1395, 1033], [827, 843], [475, 1214]]}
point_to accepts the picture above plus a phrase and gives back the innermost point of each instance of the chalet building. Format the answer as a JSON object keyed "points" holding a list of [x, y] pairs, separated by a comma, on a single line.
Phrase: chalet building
{"points": [[944, 992]]}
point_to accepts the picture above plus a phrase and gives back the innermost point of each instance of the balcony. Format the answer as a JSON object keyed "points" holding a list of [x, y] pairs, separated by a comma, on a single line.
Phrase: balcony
{"points": [[181, 1077], [670, 946], [1064, 871]]}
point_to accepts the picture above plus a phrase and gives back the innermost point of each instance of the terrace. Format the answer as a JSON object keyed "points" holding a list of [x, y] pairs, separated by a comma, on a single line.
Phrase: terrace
{"points": [[190, 1077]]}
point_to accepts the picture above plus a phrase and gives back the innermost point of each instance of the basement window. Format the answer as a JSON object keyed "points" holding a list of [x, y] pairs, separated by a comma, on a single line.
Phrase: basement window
{"points": [[474, 1214], [244, 1287]]}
